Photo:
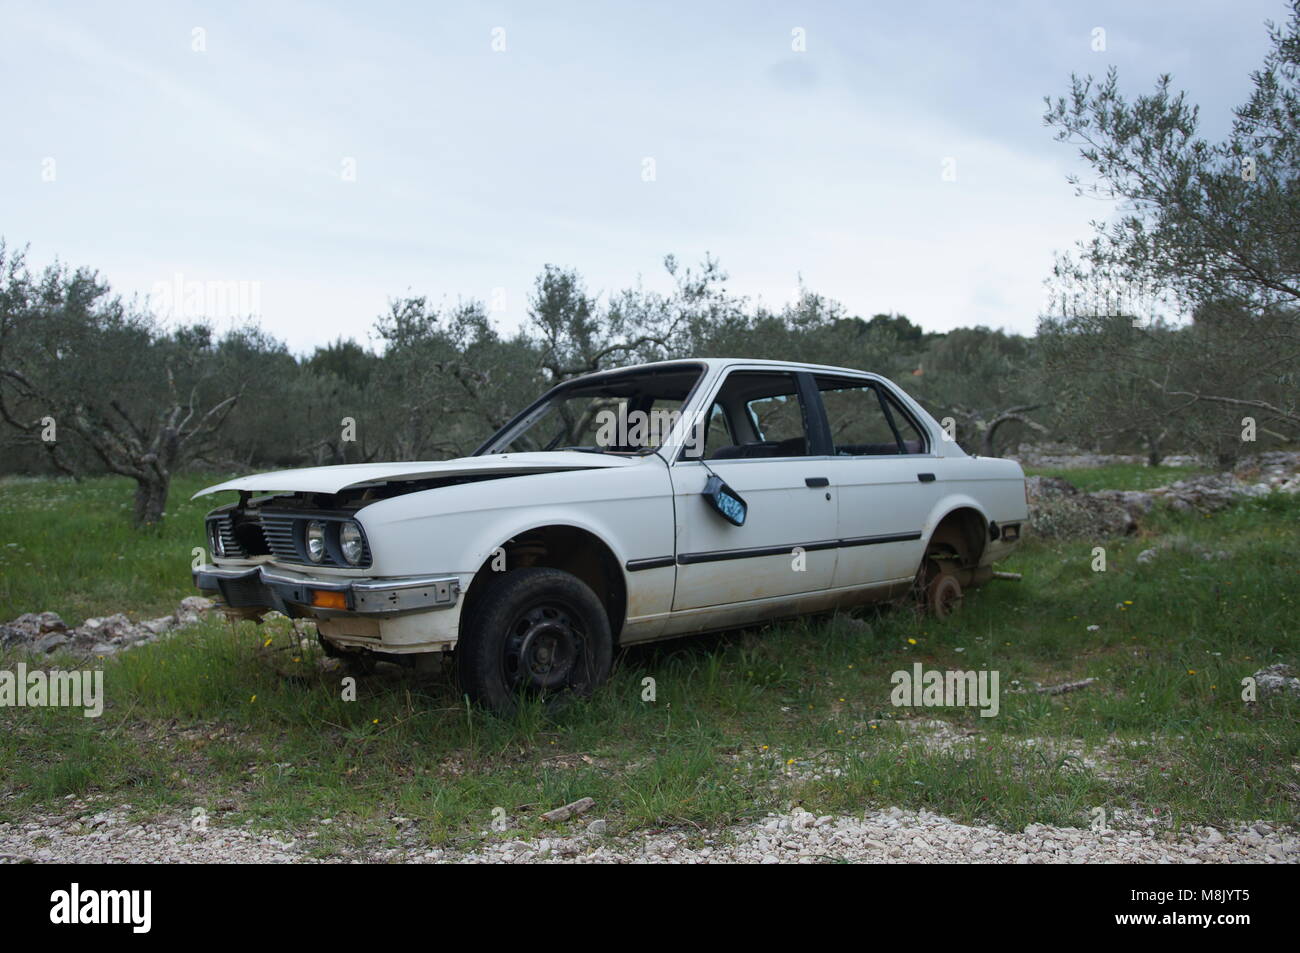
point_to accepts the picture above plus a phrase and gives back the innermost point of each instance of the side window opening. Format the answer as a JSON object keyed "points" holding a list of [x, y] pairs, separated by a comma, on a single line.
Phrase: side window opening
{"points": [[866, 420], [910, 437], [768, 405], [777, 418]]}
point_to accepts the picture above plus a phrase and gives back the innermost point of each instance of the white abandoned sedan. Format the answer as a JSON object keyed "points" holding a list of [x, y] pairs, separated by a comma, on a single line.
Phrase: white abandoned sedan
{"points": [[624, 506]]}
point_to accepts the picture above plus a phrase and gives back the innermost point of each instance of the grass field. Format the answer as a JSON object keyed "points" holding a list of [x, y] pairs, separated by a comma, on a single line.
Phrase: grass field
{"points": [[1118, 476], [242, 722], [68, 547]]}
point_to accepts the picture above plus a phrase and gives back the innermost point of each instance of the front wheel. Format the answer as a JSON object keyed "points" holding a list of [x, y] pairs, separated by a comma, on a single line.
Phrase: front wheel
{"points": [[533, 633]]}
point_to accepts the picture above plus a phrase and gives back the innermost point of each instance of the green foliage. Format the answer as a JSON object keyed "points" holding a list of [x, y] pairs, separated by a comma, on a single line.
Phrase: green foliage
{"points": [[89, 378], [446, 377], [346, 360], [1202, 227], [1209, 220]]}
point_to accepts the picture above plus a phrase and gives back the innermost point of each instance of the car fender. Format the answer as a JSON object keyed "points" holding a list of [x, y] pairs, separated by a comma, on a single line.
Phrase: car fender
{"points": [[456, 529], [949, 503]]}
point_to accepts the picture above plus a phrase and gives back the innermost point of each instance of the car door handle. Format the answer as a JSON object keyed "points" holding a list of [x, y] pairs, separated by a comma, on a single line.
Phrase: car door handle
{"points": [[816, 481], [925, 477]]}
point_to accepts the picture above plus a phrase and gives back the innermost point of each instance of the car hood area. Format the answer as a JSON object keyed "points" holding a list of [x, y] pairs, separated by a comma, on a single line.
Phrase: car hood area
{"points": [[353, 475]]}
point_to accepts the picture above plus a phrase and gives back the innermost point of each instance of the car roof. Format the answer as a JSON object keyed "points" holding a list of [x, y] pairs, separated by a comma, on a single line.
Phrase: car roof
{"points": [[712, 363]]}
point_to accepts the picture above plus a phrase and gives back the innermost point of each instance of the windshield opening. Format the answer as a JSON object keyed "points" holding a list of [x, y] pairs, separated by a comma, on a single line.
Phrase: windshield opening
{"points": [[627, 413]]}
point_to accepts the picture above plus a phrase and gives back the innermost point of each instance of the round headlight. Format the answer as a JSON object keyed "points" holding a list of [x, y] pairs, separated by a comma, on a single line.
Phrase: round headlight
{"points": [[316, 541], [214, 539], [351, 543]]}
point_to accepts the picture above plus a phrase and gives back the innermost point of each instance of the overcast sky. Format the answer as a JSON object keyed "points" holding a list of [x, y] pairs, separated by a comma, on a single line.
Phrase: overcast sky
{"points": [[331, 156]]}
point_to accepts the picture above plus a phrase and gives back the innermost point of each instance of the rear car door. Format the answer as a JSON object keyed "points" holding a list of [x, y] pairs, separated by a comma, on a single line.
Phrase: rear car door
{"points": [[758, 440], [888, 482]]}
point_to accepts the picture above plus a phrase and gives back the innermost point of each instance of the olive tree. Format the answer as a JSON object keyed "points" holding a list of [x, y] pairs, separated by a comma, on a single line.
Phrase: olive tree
{"points": [[574, 333], [985, 380], [1211, 223], [449, 378], [75, 361]]}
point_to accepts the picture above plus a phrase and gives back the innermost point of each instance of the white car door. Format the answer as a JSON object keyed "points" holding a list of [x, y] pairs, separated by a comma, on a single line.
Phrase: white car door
{"points": [[887, 481], [757, 442]]}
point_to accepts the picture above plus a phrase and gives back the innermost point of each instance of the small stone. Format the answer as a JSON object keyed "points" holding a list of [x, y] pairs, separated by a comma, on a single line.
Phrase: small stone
{"points": [[48, 643], [1277, 680], [569, 810], [48, 621]]}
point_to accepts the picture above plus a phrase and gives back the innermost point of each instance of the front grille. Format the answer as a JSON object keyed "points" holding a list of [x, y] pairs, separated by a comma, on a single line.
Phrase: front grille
{"points": [[230, 546], [284, 531], [278, 531]]}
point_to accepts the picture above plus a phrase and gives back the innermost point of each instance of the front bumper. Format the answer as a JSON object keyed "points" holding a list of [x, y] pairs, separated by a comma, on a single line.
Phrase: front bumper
{"points": [[252, 587]]}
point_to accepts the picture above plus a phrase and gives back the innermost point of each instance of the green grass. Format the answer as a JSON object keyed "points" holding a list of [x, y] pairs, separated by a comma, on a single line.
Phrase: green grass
{"points": [[1119, 476], [69, 547], [798, 713]]}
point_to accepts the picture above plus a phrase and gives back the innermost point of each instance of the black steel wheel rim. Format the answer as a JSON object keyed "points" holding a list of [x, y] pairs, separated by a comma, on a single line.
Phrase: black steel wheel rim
{"points": [[544, 649]]}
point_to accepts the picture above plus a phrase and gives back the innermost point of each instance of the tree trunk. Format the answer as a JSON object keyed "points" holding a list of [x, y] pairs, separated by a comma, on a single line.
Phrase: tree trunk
{"points": [[150, 499], [1227, 451], [1154, 452], [987, 446]]}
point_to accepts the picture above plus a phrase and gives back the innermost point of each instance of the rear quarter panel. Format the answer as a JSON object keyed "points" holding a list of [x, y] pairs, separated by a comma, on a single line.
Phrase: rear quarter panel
{"points": [[992, 486]]}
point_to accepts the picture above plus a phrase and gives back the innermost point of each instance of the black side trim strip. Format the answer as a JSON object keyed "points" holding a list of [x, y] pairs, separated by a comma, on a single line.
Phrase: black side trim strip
{"points": [[812, 547], [874, 540], [718, 555], [687, 559], [658, 562]]}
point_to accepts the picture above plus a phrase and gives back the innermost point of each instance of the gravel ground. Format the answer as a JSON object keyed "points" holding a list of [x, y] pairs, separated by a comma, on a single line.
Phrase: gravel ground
{"points": [[112, 837], [892, 836]]}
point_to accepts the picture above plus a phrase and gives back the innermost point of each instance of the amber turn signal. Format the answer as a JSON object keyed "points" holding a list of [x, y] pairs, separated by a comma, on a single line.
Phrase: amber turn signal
{"points": [[329, 599]]}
